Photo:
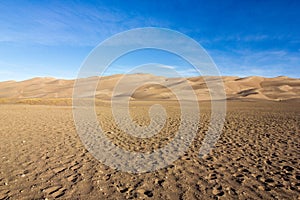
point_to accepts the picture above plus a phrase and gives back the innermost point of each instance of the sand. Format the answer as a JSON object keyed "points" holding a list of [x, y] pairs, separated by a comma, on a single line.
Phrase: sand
{"points": [[256, 157], [259, 88]]}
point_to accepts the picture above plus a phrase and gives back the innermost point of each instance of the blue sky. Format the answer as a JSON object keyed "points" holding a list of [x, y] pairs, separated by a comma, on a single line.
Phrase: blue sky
{"points": [[244, 38]]}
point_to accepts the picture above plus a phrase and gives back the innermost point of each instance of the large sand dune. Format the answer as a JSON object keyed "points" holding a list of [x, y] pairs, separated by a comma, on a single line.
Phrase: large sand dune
{"points": [[276, 89], [256, 156]]}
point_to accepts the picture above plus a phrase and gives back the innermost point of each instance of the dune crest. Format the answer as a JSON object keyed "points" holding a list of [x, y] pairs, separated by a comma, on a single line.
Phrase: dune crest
{"points": [[253, 87]]}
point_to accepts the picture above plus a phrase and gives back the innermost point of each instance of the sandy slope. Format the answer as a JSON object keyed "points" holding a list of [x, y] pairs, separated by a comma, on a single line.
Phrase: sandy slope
{"points": [[257, 156], [279, 88]]}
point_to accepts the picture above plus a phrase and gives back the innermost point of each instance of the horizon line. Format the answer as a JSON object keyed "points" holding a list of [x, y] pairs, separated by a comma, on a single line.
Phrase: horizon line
{"points": [[75, 78]]}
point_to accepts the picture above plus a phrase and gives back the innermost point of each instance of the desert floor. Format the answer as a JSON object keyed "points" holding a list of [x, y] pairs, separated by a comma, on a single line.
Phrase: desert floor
{"points": [[256, 157]]}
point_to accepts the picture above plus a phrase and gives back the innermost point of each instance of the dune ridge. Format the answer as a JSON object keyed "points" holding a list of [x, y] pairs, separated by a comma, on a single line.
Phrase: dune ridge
{"points": [[255, 88]]}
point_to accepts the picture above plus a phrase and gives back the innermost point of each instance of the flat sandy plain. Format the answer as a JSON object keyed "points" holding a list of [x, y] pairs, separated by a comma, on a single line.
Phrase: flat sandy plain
{"points": [[256, 157]]}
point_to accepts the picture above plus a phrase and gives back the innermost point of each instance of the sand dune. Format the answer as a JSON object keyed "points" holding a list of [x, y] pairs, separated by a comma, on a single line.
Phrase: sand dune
{"points": [[276, 89], [256, 156]]}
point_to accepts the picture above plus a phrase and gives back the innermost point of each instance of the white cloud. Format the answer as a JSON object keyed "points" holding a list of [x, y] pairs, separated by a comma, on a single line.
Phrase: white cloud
{"points": [[263, 63], [67, 24], [165, 66]]}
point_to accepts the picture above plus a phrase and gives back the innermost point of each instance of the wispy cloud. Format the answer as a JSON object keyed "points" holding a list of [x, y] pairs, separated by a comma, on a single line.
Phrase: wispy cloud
{"points": [[188, 72], [154, 68], [166, 66], [262, 63], [51, 38], [64, 24]]}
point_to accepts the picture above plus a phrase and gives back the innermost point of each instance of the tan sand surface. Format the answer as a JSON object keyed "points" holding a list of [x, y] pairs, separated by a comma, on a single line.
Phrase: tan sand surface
{"points": [[276, 89], [256, 157]]}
